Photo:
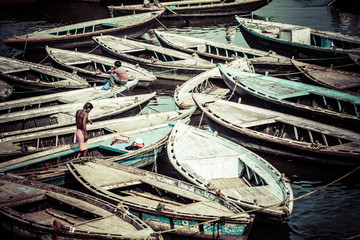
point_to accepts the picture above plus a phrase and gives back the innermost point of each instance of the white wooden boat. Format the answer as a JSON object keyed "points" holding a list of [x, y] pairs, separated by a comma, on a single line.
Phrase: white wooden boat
{"points": [[162, 62], [209, 82], [95, 67], [220, 52], [281, 134], [59, 98], [215, 163], [80, 34], [34, 210], [64, 115], [33, 76], [162, 202]]}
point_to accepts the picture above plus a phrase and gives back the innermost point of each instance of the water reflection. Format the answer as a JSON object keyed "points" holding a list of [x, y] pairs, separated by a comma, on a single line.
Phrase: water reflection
{"points": [[332, 211]]}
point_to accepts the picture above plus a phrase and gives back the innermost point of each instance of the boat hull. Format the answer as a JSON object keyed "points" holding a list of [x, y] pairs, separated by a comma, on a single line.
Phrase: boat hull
{"points": [[216, 9], [309, 54]]}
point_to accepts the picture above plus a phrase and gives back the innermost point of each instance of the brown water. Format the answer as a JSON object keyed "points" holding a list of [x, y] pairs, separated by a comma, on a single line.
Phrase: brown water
{"points": [[331, 213]]}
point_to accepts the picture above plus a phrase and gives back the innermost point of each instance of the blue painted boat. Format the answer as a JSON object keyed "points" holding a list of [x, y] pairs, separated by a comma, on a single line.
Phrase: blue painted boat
{"points": [[164, 203], [217, 164], [324, 104], [303, 43], [33, 210]]}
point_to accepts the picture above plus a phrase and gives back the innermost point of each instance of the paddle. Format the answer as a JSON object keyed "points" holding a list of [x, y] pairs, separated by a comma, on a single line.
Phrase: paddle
{"points": [[169, 9]]}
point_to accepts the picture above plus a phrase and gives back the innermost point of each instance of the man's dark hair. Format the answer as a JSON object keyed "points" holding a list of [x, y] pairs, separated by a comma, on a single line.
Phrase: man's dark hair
{"points": [[88, 105], [118, 63]]}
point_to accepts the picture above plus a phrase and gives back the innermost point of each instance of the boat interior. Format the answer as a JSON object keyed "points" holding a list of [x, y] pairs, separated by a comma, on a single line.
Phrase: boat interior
{"points": [[307, 136], [331, 104], [86, 29]]}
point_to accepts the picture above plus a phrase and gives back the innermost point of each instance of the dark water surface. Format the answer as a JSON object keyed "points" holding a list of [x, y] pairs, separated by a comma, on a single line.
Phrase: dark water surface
{"points": [[331, 213]]}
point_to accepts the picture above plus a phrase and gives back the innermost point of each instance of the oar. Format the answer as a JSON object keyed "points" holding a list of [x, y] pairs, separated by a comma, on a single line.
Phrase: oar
{"points": [[169, 9]]}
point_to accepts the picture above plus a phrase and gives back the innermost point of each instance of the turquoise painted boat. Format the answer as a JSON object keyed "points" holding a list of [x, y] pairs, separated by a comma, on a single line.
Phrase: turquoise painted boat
{"points": [[164, 203], [33, 210], [318, 102], [80, 34], [110, 139], [303, 43], [217, 164]]}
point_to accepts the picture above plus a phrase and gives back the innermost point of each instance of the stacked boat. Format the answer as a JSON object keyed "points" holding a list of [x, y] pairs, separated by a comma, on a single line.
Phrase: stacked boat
{"points": [[220, 183]]}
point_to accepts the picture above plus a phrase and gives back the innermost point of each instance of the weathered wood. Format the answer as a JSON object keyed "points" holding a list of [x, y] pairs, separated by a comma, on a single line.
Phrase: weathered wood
{"points": [[83, 215], [217, 164], [193, 8], [95, 67], [68, 36], [303, 98], [147, 202], [163, 62], [299, 139]]}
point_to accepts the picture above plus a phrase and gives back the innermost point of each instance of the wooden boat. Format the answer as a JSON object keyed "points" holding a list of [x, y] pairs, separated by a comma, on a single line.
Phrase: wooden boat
{"points": [[162, 202], [34, 210], [5, 90], [209, 82], [80, 34], [65, 97], [63, 115], [219, 52], [162, 62], [329, 77], [317, 102], [106, 139], [281, 134], [215, 163], [94, 67], [32, 76], [355, 58], [194, 8], [308, 44]]}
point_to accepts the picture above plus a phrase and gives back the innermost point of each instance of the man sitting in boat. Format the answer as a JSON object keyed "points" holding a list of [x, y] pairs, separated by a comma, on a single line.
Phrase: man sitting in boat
{"points": [[82, 118], [118, 75], [138, 143]]}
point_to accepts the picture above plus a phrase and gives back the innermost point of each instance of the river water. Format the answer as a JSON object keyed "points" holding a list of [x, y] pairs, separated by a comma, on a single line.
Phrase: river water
{"points": [[330, 213]]}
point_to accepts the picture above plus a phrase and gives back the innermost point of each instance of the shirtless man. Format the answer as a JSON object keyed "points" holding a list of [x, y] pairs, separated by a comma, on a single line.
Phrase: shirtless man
{"points": [[81, 133]]}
